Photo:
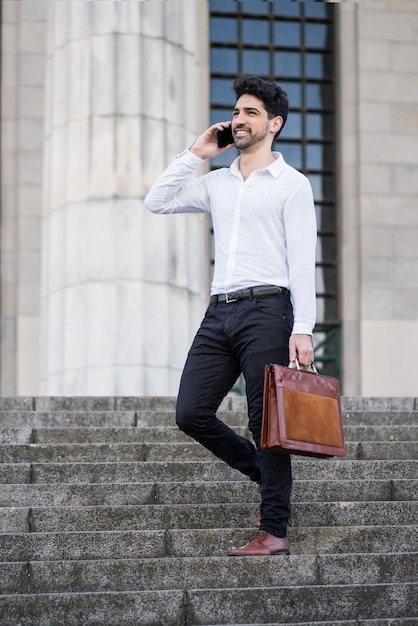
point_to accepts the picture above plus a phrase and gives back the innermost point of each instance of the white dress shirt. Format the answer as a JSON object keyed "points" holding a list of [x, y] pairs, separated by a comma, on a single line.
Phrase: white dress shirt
{"points": [[264, 226]]}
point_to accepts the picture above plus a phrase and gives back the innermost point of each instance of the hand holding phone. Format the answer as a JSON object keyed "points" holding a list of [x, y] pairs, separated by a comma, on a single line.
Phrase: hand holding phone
{"points": [[224, 137]]}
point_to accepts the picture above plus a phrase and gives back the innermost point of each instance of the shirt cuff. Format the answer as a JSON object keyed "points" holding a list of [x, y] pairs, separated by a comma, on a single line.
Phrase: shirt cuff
{"points": [[302, 329], [189, 158]]}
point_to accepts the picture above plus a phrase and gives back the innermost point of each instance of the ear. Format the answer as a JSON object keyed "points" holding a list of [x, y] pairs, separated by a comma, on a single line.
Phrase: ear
{"points": [[277, 123]]}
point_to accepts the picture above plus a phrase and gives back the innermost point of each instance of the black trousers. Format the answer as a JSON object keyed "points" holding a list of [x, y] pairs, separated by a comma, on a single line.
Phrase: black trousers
{"points": [[237, 337]]}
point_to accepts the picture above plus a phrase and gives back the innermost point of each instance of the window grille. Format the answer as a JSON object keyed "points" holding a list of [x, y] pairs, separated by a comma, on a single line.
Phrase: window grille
{"points": [[291, 43]]}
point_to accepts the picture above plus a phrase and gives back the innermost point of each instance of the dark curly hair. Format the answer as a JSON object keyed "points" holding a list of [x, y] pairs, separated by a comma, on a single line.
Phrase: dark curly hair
{"points": [[273, 97]]}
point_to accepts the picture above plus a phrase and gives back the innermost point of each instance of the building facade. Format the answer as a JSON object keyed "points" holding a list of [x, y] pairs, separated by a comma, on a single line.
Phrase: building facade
{"points": [[98, 297]]}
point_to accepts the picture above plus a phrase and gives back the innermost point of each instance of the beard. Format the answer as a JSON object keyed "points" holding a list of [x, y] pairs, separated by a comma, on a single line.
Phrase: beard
{"points": [[249, 139]]}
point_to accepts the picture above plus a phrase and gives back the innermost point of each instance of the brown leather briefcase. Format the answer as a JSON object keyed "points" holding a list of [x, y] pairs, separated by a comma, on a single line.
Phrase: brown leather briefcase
{"points": [[301, 413]]}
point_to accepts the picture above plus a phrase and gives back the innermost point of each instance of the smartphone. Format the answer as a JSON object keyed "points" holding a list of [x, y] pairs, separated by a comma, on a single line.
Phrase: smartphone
{"points": [[224, 137]]}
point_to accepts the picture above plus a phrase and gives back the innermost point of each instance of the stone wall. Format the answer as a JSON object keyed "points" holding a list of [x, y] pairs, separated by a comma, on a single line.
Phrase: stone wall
{"points": [[379, 173]]}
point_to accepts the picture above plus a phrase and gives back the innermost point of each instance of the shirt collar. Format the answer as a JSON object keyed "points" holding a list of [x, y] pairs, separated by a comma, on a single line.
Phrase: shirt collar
{"points": [[274, 168]]}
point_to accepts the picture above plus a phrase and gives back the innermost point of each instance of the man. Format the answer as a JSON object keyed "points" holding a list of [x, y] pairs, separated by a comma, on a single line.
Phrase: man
{"points": [[262, 304]]}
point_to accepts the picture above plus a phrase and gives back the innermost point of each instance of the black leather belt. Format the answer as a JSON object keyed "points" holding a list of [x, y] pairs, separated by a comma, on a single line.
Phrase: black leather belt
{"points": [[251, 292]]}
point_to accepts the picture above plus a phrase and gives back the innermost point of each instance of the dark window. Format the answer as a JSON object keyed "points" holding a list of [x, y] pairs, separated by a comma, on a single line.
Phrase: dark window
{"points": [[291, 43]]}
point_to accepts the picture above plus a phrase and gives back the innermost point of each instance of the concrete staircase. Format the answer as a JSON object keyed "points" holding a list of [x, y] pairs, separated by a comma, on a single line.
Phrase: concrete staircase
{"points": [[111, 516]]}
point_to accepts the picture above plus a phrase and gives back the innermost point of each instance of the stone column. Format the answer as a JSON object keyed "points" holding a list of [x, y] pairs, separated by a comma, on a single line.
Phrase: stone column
{"points": [[22, 99], [122, 290]]}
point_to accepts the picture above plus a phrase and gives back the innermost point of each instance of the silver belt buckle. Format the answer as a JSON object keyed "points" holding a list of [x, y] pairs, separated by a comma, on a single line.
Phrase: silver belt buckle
{"points": [[228, 299]]}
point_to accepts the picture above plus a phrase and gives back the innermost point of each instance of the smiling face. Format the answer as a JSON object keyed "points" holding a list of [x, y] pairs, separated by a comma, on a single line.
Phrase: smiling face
{"points": [[251, 124]]}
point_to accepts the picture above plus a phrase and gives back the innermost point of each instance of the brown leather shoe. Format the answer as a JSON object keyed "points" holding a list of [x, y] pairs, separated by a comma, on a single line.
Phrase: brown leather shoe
{"points": [[262, 544]]}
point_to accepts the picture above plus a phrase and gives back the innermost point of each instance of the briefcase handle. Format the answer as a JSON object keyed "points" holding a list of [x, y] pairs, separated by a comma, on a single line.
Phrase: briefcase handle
{"points": [[309, 368]]}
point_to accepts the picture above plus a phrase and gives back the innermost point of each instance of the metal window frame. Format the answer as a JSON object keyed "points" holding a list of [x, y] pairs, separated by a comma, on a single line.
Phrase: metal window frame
{"points": [[328, 351]]}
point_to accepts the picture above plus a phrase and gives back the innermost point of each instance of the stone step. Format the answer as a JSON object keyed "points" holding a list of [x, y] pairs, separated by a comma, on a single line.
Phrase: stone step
{"points": [[69, 419], [139, 544], [379, 418], [121, 535], [407, 450], [206, 573], [214, 606], [95, 435], [161, 434], [231, 402], [103, 419], [380, 403], [290, 604], [381, 433], [203, 492], [186, 451], [104, 403], [305, 469], [154, 516], [166, 417], [401, 621]]}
